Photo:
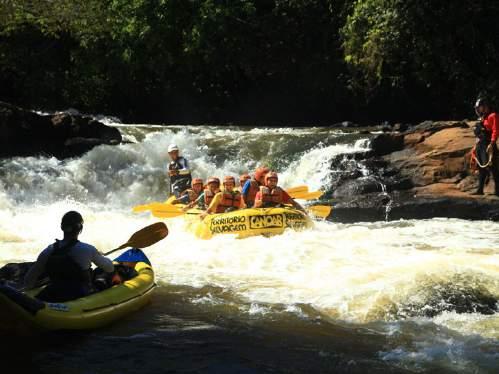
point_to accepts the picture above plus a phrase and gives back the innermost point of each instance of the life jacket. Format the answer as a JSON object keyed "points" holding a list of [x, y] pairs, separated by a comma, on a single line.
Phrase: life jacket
{"points": [[184, 181], [481, 132], [271, 198], [229, 200], [208, 197], [251, 194], [61, 267], [193, 195], [480, 157]]}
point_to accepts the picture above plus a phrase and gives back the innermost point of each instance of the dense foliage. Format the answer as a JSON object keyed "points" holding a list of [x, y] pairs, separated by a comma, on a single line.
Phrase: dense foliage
{"points": [[425, 57], [250, 60]]}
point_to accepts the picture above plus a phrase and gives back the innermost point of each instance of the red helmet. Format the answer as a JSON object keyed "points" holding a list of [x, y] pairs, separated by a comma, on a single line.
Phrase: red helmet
{"points": [[196, 181], [229, 179], [213, 180], [271, 175], [260, 173]]}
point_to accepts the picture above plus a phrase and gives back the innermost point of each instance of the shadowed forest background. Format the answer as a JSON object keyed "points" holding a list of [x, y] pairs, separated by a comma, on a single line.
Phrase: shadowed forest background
{"points": [[298, 61]]}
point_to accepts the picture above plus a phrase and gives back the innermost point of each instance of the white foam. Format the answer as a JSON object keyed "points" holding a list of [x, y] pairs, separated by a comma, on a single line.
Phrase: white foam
{"points": [[357, 273], [128, 174]]}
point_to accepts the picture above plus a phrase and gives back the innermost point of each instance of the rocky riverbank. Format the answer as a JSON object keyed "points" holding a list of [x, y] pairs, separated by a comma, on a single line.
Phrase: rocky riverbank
{"points": [[26, 133], [420, 173]]}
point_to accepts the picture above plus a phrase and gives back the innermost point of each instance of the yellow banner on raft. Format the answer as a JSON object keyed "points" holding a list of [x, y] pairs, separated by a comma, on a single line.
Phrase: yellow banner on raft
{"points": [[248, 222]]}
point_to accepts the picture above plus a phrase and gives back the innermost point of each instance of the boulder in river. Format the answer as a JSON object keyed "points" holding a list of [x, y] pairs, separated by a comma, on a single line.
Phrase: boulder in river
{"points": [[421, 173], [26, 133]]}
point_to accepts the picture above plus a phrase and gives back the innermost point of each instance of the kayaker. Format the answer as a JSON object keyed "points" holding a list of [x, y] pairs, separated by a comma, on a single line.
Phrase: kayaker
{"points": [[485, 150], [190, 195], [67, 263], [251, 187], [242, 181], [178, 170], [271, 195], [227, 200]]}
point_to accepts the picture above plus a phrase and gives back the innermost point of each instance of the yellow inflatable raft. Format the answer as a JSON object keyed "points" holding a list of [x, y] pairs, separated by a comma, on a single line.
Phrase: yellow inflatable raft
{"points": [[21, 311], [247, 222]]}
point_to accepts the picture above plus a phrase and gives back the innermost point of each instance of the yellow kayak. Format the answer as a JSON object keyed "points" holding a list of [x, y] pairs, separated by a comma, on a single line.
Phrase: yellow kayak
{"points": [[21, 311], [247, 222]]}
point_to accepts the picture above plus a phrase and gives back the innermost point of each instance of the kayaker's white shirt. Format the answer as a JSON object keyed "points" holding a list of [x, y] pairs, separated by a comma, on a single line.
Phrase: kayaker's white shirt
{"points": [[82, 253]]}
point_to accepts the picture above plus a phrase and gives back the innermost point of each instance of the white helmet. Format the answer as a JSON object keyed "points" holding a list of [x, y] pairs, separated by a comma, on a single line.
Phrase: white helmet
{"points": [[172, 147]]}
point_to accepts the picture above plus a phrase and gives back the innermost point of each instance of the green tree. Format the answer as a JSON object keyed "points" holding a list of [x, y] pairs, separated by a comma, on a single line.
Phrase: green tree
{"points": [[423, 56]]}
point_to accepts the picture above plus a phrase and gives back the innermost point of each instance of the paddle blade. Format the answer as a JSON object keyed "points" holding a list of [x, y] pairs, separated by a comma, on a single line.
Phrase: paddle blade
{"points": [[309, 195], [166, 213], [170, 199], [322, 211], [297, 190], [163, 210], [140, 208], [143, 208], [145, 237]]}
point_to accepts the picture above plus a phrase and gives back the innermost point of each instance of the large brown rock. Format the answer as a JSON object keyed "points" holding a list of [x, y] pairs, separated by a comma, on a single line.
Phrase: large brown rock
{"points": [[431, 155], [24, 133], [423, 173]]}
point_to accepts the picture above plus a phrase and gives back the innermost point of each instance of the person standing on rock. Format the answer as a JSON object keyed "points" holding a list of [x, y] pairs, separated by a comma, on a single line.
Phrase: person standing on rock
{"points": [[178, 170], [485, 151]]}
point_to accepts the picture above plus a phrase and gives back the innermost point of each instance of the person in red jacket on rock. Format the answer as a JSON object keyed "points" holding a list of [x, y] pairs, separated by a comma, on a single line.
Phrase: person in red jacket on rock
{"points": [[489, 126]]}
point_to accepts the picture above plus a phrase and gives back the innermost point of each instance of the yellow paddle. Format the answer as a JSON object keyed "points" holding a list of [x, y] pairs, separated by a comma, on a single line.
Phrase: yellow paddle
{"points": [[166, 213], [297, 190], [322, 211], [143, 208], [145, 237], [155, 205], [170, 199], [309, 195], [163, 210]]}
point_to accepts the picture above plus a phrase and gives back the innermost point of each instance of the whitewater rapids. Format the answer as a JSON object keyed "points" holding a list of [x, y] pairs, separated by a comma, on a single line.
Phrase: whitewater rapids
{"points": [[427, 288]]}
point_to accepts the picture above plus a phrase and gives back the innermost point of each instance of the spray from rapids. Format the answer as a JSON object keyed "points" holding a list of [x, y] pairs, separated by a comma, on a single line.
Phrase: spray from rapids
{"points": [[132, 173], [384, 275]]}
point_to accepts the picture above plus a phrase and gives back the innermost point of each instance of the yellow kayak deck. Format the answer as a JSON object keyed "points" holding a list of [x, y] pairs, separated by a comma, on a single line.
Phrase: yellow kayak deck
{"points": [[247, 222], [24, 311]]}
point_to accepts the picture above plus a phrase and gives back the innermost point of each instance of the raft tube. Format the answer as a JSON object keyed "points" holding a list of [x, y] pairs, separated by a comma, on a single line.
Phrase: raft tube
{"points": [[23, 312], [247, 222]]}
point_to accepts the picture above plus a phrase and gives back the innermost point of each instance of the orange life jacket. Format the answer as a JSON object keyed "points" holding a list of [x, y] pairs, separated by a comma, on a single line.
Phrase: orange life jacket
{"points": [[252, 191], [271, 198], [229, 200]]}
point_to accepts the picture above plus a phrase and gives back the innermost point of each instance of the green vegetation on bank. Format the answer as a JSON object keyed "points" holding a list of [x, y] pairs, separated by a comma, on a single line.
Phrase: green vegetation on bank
{"points": [[247, 60]]}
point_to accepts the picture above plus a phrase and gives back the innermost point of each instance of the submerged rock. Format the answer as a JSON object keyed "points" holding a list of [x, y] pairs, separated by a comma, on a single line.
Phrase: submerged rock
{"points": [[25, 133], [461, 293]]}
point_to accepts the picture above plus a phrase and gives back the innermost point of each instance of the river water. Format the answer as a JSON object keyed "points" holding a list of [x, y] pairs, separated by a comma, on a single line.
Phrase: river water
{"points": [[395, 296]]}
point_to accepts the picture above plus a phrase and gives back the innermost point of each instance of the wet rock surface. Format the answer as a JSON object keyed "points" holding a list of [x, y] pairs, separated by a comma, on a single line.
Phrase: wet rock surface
{"points": [[417, 174], [26, 133]]}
